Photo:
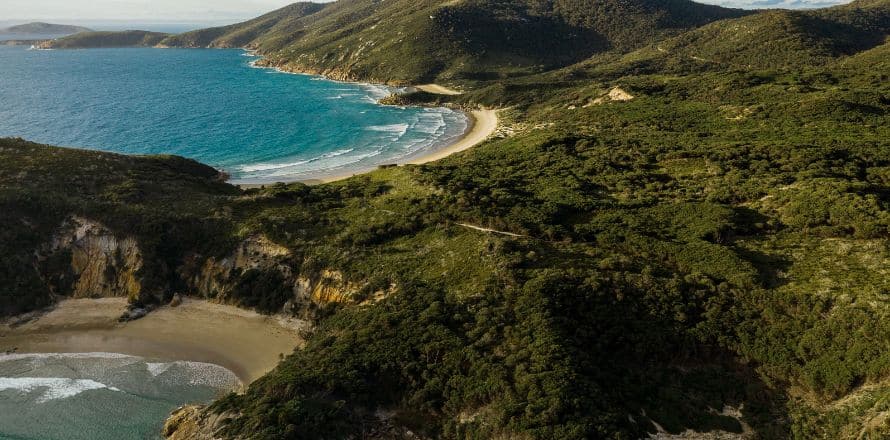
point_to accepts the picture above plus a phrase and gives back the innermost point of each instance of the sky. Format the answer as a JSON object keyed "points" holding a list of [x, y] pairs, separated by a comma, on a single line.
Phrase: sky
{"points": [[227, 10]]}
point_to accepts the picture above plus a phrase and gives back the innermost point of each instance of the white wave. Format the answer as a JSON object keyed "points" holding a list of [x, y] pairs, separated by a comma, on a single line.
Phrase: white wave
{"points": [[52, 388], [334, 154], [431, 123], [93, 355], [352, 160], [279, 166], [270, 166], [401, 129], [156, 368], [378, 91], [209, 375]]}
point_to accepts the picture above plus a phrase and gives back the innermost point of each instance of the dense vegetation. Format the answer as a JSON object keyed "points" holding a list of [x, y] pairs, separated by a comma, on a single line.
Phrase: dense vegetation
{"points": [[167, 202], [710, 254]]}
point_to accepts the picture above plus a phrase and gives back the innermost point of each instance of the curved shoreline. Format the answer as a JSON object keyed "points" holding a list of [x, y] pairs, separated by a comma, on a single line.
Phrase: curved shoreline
{"points": [[245, 342], [482, 124]]}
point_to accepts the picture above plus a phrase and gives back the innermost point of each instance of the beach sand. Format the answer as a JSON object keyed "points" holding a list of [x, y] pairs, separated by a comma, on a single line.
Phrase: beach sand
{"points": [[437, 89], [245, 342]]}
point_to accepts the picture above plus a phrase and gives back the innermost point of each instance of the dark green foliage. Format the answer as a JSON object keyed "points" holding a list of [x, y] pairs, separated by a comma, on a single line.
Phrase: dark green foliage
{"points": [[165, 202], [265, 291]]}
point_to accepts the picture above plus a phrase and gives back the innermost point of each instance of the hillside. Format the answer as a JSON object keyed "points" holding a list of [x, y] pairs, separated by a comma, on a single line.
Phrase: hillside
{"points": [[407, 41], [279, 22], [700, 240], [465, 40], [106, 39], [38, 28], [777, 39]]}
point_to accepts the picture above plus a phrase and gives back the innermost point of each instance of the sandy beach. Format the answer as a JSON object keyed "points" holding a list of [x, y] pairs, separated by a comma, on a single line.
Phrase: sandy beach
{"points": [[482, 124], [245, 342]]}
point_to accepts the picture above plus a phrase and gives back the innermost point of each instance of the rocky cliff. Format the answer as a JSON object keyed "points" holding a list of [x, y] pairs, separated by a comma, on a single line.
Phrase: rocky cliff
{"points": [[263, 275], [86, 259]]}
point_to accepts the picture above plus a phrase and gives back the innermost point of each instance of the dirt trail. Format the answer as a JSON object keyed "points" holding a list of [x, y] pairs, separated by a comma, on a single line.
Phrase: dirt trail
{"points": [[492, 231]]}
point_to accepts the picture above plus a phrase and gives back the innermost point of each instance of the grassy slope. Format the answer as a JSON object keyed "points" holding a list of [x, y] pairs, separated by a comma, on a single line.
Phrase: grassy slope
{"points": [[719, 240], [409, 41], [245, 34]]}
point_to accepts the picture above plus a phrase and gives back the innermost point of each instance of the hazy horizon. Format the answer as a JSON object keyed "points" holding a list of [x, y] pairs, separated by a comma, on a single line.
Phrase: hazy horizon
{"points": [[113, 13]]}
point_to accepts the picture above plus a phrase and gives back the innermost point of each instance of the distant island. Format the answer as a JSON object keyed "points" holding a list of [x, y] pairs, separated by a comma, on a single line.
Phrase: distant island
{"points": [[40, 28], [106, 39]]}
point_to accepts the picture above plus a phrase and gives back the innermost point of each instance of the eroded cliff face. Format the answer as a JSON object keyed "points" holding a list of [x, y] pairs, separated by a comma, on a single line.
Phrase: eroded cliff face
{"points": [[264, 275], [85, 259], [215, 278]]}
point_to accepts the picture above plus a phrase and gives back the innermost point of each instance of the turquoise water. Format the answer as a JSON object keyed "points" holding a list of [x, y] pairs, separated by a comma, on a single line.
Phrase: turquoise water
{"points": [[99, 396], [258, 125]]}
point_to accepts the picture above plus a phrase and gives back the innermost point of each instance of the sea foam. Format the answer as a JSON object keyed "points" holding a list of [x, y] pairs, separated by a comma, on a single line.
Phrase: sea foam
{"points": [[51, 388]]}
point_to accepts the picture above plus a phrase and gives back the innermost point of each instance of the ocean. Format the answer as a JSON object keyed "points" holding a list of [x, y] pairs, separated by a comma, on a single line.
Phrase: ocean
{"points": [[99, 396], [259, 125]]}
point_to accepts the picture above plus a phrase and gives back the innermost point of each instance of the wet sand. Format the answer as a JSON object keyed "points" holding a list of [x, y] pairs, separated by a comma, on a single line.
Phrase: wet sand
{"points": [[245, 342]]}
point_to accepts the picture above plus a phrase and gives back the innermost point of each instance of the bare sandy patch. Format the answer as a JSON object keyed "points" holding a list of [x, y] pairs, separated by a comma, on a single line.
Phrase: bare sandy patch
{"points": [[245, 342]]}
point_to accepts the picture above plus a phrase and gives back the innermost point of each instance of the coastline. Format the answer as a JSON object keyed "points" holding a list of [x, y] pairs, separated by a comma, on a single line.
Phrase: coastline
{"points": [[245, 342], [482, 124]]}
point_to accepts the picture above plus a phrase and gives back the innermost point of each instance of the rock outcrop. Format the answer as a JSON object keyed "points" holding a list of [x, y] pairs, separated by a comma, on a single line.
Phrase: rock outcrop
{"points": [[223, 279], [190, 422], [85, 259]]}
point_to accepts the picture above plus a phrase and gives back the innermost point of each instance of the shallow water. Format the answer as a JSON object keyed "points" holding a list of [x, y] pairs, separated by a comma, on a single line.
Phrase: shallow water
{"points": [[259, 125], [97, 396]]}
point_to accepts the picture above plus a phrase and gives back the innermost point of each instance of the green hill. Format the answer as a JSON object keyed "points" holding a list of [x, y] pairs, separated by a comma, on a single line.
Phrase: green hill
{"points": [[106, 39], [408, 41], [39, 28], [775, 39]]}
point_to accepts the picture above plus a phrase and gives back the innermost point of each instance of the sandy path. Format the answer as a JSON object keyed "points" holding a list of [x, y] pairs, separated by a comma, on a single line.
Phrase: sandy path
{"points": [[247, 343], [438, 90], [490, 231]]}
